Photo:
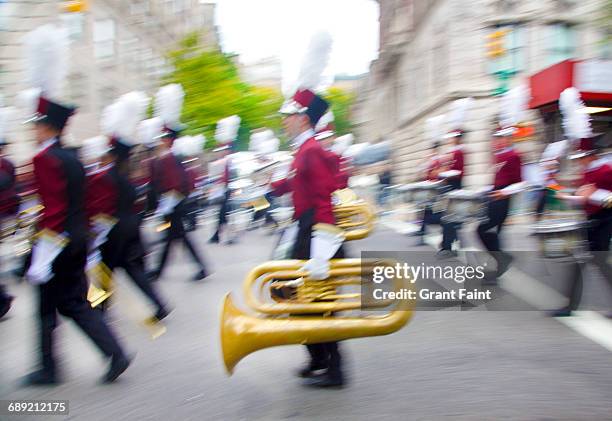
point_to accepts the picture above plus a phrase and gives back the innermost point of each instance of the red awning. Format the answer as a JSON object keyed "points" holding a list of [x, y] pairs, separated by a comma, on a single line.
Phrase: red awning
{"points": [[590, 77]]}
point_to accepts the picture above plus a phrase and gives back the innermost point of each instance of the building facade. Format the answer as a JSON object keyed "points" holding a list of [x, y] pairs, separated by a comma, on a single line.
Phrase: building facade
{"points": [[435, 51], [115, 47]]}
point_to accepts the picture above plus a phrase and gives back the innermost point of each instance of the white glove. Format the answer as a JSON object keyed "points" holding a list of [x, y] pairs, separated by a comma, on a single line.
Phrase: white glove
{"points": [[101, 226], [600, 197], [44, 252], [167, 203], [317, 269], [326, 240]]}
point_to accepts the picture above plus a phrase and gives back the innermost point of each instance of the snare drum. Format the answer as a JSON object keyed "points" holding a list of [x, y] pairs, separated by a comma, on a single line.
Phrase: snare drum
{"points": [[421, 194], [561, 238], [465, 205]]}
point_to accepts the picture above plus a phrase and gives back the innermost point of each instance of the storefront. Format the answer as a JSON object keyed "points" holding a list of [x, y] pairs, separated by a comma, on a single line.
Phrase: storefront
{"points": [[591, 77]]}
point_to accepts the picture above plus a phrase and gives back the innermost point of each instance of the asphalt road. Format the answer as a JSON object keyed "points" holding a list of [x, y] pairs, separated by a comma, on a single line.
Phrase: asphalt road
{"points": [[466, 365]]}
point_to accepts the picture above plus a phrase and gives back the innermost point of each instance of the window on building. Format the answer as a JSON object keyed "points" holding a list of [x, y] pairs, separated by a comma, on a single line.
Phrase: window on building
{"points": [[77, 85], [104, 38], [561, 42], [513, 42]]}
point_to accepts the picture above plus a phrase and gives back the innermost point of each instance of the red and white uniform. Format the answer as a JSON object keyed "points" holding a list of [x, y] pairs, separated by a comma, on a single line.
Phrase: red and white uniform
{"points": [[507, 168], [311, 180], [599, 173]]}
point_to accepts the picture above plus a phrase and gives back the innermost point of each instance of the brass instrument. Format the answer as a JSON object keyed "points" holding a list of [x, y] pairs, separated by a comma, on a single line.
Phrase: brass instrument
{"points": [[355, 218], [274, 323]]}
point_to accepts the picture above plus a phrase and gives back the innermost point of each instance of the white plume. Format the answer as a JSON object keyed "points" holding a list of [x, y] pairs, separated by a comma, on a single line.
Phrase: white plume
{"points": [[576, 124], [458, 112], [227, 129], [257, 139], [94, 148], [269, 146], [46, 54], [27, 102], [181, 146], [342, 143], [514, 105], [169, 103], [315, 61], [325, 119], [148, 129], [434, 128], [121, 118]]}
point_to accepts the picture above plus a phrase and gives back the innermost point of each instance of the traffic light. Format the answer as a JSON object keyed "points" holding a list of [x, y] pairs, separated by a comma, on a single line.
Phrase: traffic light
{"points": [[496, 43], [74, 6]]}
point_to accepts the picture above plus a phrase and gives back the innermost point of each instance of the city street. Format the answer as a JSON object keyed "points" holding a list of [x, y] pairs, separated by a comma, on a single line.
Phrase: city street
{"points": [[443, 364]]}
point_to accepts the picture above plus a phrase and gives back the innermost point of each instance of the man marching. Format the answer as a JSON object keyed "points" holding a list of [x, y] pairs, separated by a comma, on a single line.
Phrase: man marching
{"points": [[507, 163], [172, 181]]}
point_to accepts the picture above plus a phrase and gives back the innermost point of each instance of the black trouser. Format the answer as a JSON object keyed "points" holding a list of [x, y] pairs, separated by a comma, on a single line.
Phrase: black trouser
{"points": [[488, 231], [223, 211], [176, 232], [599, 234], [66, 293], [124, 249], [323, 355], [429, 218], [449, 229]]}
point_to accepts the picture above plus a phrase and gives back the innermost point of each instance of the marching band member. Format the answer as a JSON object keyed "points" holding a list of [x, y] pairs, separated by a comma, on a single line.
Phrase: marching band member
{"points": [[507, 179], [8, 196], [595, 195], [111, 197], [171, 180], [148, 131], [225, 134], [311, 182], [60, 251]]}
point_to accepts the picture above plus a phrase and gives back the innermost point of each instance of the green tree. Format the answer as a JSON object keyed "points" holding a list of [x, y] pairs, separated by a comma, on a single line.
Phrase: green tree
{"points": [[214, 90], [341, 102]]}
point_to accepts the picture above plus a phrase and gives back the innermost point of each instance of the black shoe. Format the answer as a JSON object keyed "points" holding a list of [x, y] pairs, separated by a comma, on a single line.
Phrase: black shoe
{"points": [[6, 305], [214, 239], [118, 366], [564, 312], [200, 275], [325, 381], [446, 254], [162, 313], [312, 370], [40, 378], [504, 263], [153, 276]]}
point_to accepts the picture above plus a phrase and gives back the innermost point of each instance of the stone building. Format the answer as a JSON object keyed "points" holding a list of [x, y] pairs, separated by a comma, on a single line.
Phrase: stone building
{"points": [[435, 51], [116, 46]]}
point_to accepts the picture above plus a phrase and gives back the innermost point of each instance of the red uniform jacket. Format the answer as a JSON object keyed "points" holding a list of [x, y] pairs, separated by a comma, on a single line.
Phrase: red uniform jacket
{"points": [[60, 181], [169, 174], [507, 169], [101, 194], [457, 162], [601, 177], [434, 165], [8, 194], [311, 181], [338, 166]]}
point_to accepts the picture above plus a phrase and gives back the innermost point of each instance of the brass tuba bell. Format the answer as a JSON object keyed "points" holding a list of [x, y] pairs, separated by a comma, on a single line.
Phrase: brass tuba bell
{"points": [[306, 316], [353, 215]]}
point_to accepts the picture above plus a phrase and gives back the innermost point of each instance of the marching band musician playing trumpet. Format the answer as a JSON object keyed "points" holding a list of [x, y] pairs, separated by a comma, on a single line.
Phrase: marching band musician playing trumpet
{"points": [[311, 182]]}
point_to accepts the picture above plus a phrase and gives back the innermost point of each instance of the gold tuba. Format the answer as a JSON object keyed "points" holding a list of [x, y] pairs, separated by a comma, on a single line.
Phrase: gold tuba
{"points": [[305, 316], [353, 215]]}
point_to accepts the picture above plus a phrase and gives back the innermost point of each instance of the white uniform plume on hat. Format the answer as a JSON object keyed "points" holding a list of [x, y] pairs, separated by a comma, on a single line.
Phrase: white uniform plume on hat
{"points": [[458, 112], [46, 54], [188, 146], [514, 105], [576, 124], [169, 104], [434, 129], [258, 139], [94, 148], [121, 118], [342, 143], [227, 129], [148, 130]]}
